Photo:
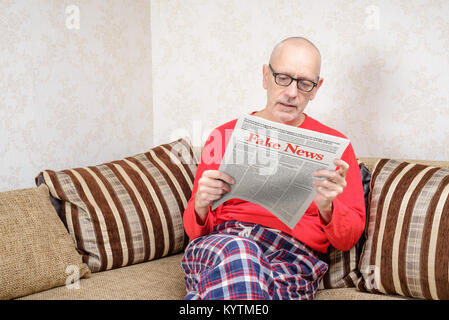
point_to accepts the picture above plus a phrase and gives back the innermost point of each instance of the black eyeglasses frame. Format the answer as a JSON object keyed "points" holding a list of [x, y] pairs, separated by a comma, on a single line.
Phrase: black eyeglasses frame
{"points": [[275, 74]]}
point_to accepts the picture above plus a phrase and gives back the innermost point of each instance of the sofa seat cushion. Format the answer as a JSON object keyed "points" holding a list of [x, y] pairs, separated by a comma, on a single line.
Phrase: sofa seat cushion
{"points": [[161, 279], [353, 294]]}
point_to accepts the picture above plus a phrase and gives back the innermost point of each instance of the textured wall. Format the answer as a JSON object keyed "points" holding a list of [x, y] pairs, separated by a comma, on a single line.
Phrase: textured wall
{"points": [[80, 96], [75, 85], [385, 65]]}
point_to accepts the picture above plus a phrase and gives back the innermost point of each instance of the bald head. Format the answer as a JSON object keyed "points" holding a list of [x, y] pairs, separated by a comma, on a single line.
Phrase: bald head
{"points": [[298, 47], [299, 59]]}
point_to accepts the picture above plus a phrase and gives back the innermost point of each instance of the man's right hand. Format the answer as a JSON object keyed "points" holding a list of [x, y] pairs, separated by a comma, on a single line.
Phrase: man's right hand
{"points": [[211, 186]]}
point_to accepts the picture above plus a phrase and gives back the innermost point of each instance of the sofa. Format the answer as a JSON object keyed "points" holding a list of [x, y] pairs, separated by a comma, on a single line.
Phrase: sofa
{"points": [[158, 275]]}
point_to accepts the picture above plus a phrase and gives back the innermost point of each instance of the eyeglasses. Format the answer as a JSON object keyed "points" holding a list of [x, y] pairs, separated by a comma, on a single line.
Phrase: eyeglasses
{"points": [[285, 80]]}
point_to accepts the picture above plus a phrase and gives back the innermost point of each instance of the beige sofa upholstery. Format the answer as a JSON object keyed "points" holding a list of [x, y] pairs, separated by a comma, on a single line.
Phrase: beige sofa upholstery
{"points": [[160, 280], [163, 278]]}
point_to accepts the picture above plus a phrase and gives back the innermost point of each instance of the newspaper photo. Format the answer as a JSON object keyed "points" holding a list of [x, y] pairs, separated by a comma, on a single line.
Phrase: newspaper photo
{"points": [[273, 165]]}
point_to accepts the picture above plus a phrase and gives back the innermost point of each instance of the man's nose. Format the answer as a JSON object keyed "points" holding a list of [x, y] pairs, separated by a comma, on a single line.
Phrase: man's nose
{"points": [[292, 89]]}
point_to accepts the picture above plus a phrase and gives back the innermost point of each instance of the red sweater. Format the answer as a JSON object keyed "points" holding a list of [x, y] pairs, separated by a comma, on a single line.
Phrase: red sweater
{"points": [[348, 217]]}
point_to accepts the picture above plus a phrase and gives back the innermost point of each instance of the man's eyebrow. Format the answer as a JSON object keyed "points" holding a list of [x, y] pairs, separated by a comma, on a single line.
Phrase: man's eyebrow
{"points": [[301, 78], [288, 74]]}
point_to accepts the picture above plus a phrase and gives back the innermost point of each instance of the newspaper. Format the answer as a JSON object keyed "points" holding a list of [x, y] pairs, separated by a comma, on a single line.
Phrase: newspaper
{"points": [[273, 165]]}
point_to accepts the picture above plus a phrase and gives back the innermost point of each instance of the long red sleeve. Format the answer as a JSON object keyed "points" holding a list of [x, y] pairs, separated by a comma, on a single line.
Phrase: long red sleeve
{"points": [[348, 217]]}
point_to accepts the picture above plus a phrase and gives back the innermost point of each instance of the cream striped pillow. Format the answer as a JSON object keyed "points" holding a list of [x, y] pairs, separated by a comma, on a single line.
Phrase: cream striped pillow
{"points": [[407, 248], [127, 211], [342, 271]]}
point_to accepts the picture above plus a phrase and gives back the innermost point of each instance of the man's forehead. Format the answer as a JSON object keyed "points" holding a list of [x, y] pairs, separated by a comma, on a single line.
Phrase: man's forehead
{"points": [[296, 43], [296, 56], [297, 67]]}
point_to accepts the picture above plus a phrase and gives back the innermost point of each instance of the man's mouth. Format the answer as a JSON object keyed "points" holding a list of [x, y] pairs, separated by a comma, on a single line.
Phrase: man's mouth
{"points": [[286, 105]]}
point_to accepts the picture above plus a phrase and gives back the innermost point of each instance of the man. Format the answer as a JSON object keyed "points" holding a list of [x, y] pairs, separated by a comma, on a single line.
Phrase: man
{"points": [[241, 250]]}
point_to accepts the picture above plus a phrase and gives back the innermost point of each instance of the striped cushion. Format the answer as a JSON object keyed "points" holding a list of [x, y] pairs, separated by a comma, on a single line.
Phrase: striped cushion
{"points": [[127, 211], [342, 272], [343, 265], [407, 251]]}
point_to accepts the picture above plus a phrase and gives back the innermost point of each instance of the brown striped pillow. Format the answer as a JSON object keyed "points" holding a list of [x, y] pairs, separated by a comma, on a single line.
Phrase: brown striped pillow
{"points": [[127, 211], [342, 271], [407, 251]]}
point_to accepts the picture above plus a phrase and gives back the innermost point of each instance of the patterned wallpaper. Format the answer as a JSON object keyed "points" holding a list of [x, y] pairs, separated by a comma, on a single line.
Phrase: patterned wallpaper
{"points": [[75, 85], [385, 68], [89, 81]]}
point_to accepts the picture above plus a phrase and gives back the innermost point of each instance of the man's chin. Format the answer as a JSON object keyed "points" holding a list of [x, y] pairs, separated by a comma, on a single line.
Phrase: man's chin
{"points": [[288, 116]]}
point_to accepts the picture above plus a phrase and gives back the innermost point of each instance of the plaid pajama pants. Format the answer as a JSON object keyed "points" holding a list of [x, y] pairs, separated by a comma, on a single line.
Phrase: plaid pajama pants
{"points": [[240, 260]]}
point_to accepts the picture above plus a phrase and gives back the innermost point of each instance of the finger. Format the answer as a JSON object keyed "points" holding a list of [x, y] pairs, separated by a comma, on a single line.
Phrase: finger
{"points": [[215, 174], [328, 185], [207, 197], [214, 183], [328, 174], [343, 167], [214, 191], [326, 193]]}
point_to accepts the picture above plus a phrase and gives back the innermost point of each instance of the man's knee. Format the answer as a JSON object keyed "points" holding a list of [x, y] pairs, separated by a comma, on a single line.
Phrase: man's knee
{"points": [[241, 248]]}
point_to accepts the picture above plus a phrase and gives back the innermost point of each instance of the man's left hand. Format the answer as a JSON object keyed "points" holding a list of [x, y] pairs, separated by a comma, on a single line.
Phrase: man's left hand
{"points": [[328, 189]]}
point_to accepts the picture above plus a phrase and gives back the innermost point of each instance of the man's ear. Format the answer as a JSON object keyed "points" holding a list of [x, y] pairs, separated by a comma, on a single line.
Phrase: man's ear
{"points": [[314, 91], [265, 73]]}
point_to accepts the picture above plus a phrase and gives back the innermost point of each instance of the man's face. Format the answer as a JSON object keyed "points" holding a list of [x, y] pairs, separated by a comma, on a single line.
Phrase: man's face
{"points": [[286, 104]]}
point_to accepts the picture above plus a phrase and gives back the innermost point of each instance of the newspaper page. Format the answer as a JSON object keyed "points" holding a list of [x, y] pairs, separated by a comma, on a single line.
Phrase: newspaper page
{"points": [[273, 165]]}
